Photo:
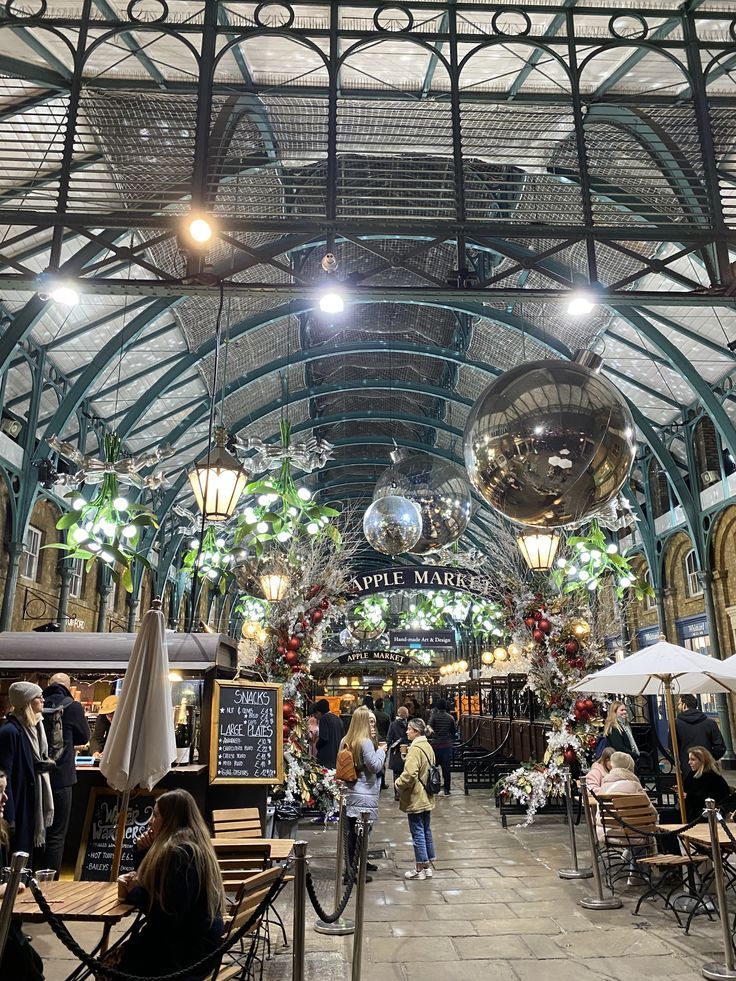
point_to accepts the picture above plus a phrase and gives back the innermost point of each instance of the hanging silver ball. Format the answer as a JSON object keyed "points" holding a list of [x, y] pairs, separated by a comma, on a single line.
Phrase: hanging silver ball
{"points": [[439, 490], [347, 640], [549, 443], [392, 524]]}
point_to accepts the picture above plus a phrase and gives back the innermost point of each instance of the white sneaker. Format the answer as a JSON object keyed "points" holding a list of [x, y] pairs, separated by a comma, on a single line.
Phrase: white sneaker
{"points": [[415, 874], [428, 872]]}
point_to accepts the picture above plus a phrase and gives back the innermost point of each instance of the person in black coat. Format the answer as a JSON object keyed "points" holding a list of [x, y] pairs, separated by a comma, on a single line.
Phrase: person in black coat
{"points": [[695, 728], [64, 775], [178, 886], [330, 733], [703, 780], [396, 738], [17, 761], [102, 726], [444, 731]]}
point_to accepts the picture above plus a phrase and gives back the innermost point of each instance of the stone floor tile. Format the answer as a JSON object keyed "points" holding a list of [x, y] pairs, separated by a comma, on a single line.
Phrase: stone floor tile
{"points": [[434, 928], [508, 947], [488, 970], [411, 950], [521, 927]]}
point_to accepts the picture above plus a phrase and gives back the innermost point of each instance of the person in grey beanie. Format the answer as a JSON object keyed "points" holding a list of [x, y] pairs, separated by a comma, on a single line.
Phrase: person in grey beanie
{"points": [[29, 809]]}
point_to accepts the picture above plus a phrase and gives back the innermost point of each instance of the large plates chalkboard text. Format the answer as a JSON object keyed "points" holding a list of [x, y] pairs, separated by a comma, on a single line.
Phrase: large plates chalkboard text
{"points": [[247, 741]]}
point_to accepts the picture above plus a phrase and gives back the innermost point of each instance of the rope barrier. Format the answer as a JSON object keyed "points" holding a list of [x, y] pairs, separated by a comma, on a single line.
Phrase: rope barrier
{"points": [[351, 873], [100, 968]]}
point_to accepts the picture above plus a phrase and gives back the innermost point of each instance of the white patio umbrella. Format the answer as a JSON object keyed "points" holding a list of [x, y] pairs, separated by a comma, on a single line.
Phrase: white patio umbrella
{"points": [[140, 746], [658, 668]]}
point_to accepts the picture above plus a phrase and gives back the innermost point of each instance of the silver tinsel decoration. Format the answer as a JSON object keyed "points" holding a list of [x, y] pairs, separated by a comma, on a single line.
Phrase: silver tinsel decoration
{"points": [[392, 524], [549, 443]]}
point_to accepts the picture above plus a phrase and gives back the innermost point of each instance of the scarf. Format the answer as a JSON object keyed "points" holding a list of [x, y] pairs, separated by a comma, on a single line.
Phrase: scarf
{"points": [[44, 798], [626, 730]]}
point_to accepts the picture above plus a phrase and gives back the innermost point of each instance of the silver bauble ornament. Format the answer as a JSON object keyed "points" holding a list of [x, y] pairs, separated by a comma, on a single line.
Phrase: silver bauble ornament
{"points": [[392, 524], [365, 632], [549, 443], [439, 490], [347, 640]]}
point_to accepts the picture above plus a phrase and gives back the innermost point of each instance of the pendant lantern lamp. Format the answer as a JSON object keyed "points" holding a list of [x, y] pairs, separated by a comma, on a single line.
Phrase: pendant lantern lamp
{"points": [[218, 480], [538, 549], [273, 576]]}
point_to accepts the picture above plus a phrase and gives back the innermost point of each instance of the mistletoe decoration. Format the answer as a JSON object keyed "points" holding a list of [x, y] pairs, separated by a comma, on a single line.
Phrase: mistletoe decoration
{"points": [[213, 561], [108, 528], [595, 559]]}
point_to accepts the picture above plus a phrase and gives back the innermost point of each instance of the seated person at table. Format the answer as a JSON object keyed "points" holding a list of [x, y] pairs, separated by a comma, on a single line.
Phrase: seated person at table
{"points": [[703, 781], [599, 771], [19, 961], [102, 726], [621, 779], [178, 886]]}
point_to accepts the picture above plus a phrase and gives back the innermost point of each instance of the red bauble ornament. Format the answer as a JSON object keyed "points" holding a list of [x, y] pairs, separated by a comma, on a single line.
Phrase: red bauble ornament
{"points": [[545, 625], [529, 621], [291, 657], [592, 742], [293, 643], [296, 668], [579, 662], [537, 615], [572, 647], [538, 636], [324, 603], [313, 591], [281, 650], [589, 705], [292, 720], [286, 731], [317, 616], [570, 756], [580, 705], [288, 711]]}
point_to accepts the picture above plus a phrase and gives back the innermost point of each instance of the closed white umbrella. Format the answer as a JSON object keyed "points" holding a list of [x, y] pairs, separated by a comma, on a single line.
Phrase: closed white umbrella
{"points": [[140, 746], [655, 669]]}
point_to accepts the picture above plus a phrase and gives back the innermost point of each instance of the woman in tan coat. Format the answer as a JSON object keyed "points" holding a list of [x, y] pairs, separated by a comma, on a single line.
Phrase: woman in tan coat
{"points": [[414, 800]]}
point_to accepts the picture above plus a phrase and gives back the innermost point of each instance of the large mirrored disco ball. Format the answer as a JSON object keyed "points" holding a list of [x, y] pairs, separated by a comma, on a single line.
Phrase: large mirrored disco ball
{"points": [[549, 443], [439, 490], [392, 524]]}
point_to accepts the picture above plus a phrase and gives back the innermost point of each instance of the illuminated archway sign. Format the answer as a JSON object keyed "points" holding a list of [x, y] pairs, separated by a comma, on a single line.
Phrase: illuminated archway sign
{"points": [[383, 656], [420, 577]]}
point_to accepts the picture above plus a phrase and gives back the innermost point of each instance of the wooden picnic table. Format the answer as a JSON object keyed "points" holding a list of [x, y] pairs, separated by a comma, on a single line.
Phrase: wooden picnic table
{"points": [[80, 902], [280, 848], [699, 834]]}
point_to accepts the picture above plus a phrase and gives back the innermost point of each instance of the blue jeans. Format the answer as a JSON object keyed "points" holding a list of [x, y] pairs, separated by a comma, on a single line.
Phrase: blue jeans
{"points": [[443, 755], [421, 837]]}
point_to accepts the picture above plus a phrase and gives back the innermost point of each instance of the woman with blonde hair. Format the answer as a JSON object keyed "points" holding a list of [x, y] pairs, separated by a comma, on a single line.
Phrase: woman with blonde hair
{"points": [[704, 780], [414, 800], [369, 757], [24, 757], [178, 886], [618, 731]]}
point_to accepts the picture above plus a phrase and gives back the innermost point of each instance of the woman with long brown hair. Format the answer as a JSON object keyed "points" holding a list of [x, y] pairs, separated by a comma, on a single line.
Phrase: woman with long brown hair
{"points": [[179, 887], [369, 757]]}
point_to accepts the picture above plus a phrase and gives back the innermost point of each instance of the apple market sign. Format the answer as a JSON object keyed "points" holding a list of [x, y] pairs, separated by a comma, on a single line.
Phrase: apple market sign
{"points": [[392, 657], [420, 577]]}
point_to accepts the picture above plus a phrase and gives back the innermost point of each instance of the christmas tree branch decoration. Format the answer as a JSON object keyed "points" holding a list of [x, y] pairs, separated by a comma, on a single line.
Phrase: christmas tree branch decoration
{"points": [[592, 560], [108, 528]]}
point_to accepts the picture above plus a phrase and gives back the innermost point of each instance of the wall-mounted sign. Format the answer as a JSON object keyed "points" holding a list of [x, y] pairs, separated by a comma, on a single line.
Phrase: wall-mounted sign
{"points": [[421, 577], [392, 657], [427, 640]]}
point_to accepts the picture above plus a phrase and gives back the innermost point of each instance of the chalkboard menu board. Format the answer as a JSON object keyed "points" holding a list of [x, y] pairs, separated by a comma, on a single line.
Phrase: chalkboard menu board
{"points": [[94, 862], [247, 741]]}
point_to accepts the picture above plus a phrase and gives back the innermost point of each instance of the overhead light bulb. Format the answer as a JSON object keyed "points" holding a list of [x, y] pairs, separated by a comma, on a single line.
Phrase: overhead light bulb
{"points": [[120, 503], [220, 543], [580, 304], [78, 503], [80, 535], [200, 230], [304, 493], [312, 527], [130, 531], [283, 536], [262, 527], [94, 546], [64, 293], [331, 301], [106, 556]]}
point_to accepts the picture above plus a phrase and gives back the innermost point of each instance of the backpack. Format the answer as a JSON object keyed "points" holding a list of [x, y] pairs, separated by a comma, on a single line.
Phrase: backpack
{"points": [[599, 747], [433, 783], [53, 724], [345, 769]]}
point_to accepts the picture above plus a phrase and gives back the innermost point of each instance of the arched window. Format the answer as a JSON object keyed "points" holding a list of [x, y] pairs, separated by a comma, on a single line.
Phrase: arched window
{"points": [[692, 581]]}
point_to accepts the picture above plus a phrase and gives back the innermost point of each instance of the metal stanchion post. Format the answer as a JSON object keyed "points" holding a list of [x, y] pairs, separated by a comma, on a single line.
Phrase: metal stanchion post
{"points": [[300, 909], [360, 899], [599, 901], [17, 864], [575, 872], [341, 927], [715, 972]]}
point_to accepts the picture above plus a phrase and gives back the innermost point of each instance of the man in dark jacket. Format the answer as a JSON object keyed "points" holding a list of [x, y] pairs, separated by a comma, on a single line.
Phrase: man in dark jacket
{"points": [[64, 775], [695, 728], [330, 733]]}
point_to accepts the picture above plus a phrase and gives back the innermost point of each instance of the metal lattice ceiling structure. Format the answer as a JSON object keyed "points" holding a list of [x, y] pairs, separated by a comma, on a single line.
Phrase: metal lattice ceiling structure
{"points": [[470, 164]]}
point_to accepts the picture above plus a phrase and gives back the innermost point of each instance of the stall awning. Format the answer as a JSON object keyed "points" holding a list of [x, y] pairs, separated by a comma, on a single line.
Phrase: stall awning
{"points": [[74, 652]]}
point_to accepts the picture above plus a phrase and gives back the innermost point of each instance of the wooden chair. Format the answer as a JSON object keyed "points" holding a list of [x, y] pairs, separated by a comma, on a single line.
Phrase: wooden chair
{"points": [[239, 861], [250, 895], [638, 812], [237, 822]]}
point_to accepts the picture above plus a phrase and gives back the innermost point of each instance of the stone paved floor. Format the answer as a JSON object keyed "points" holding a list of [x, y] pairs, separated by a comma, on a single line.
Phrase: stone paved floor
{"points": [[495, 908]]}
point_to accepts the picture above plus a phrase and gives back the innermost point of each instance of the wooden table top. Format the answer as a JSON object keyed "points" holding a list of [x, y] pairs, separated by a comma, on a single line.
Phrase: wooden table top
{"points": [[281, 848], [95, 902], [699, 834]]}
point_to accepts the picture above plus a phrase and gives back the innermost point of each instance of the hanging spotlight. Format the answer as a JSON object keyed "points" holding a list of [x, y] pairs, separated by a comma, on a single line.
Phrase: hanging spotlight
{"points": [[581, 304], [199, 230], [53, 287], [331, 299], [218, 480], [538, 549]]}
